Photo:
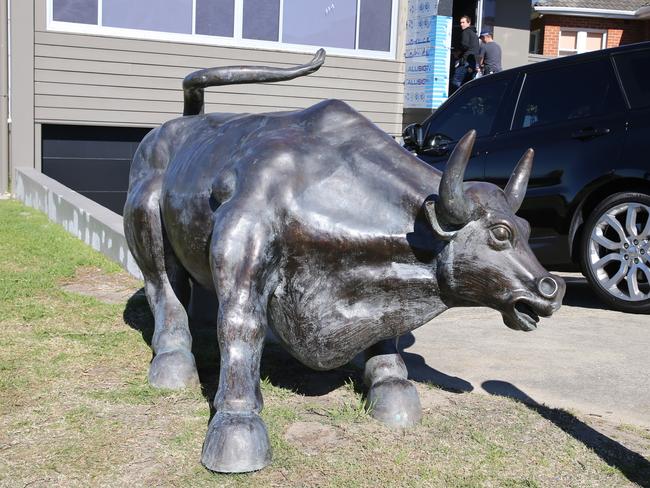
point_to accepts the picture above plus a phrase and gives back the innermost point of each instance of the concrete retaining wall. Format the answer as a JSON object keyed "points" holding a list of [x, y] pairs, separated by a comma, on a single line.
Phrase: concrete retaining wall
{"points": [[97, 226]]}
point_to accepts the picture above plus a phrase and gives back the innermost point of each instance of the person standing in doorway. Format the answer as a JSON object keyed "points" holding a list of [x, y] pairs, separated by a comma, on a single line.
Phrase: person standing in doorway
{"points": [[469, 47], [489, 54]]}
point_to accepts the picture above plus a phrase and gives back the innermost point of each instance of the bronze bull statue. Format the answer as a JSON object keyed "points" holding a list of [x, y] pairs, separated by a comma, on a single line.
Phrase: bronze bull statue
{"points": [[319, 225]]}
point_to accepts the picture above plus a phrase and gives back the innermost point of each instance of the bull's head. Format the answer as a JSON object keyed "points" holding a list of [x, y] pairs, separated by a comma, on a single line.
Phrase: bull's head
{"points": [[487, 260]]}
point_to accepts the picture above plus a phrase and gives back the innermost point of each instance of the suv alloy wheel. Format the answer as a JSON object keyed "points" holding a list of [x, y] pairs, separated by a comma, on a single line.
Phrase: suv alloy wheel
{"points": [[615, 254]]}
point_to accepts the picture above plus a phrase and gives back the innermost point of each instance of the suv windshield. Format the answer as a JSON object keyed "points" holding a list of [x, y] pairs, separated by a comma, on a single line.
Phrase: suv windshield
{"points": [[476, 106]]}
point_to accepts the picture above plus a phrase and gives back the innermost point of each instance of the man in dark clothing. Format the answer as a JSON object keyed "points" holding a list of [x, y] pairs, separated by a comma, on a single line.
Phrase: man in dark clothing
{"points": [[489, 54], [469, 47]]}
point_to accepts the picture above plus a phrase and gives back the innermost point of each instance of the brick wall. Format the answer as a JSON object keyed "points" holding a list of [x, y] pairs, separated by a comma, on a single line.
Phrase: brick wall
{"points": [[619, 31]]}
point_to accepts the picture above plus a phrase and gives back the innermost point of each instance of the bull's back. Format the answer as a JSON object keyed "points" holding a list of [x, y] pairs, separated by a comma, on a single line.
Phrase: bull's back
{"points": [[326, 169], [330, 133]]}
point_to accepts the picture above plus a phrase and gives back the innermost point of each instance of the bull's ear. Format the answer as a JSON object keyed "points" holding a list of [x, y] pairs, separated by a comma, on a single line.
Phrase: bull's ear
{"points": [[453, 207], [516, 187], [430, 209]]}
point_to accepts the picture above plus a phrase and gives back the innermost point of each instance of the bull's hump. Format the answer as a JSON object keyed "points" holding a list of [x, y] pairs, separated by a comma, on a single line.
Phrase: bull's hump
{"points": [[333, 110]]}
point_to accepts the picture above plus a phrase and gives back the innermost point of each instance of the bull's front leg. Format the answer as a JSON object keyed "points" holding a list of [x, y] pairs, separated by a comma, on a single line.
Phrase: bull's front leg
{"points": [[237, 440], [392, 399]]}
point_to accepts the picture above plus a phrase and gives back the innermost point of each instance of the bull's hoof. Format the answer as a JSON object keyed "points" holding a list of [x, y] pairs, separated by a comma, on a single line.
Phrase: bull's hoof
{"points": [[236, 443], [395, 402], [173, 369]]}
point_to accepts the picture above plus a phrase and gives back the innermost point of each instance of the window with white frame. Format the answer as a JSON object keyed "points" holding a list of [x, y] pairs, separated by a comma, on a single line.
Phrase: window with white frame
{"points": [[353, 27], [575, 41]]}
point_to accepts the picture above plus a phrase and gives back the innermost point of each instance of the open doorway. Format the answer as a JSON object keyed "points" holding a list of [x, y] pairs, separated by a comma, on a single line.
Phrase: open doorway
{"points": [[464, 7], [471, 8]]}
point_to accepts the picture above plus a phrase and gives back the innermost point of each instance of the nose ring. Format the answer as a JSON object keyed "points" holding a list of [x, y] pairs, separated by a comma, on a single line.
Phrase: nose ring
{"points": [[548, 287]]}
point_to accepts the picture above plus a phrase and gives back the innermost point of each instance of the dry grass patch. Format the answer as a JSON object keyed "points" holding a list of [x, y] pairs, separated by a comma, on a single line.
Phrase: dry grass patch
{"points": [[91, 281]]}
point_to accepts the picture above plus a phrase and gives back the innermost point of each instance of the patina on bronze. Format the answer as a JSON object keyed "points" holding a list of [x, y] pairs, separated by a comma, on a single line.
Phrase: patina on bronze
{"points": [[320, 226]]}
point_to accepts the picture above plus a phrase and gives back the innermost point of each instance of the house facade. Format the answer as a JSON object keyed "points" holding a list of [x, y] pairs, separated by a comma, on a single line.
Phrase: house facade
{"points": [[565, 27], [85, 80]]}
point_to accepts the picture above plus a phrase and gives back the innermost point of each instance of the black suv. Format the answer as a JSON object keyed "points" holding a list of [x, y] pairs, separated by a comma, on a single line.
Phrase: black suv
{"points": [[588, 118]]}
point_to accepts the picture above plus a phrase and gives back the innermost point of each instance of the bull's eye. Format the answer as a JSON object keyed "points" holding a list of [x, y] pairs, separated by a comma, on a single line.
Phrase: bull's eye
{"points": [[501, 233]]}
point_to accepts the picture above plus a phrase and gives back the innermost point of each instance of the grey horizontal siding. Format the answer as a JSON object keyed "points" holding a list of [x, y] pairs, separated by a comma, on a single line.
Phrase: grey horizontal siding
{"points": [[102, 117], [65, 115], [94, 79], [228, 103], [157, 60], [81, 67], [154, 106], [377, 101]]}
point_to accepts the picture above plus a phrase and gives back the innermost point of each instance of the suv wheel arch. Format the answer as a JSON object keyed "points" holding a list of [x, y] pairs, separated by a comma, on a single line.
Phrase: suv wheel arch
{"points": [[615, 251], [591, 201]]}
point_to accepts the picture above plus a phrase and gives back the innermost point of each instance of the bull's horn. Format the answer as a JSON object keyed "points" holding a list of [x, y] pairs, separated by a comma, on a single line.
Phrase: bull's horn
{"points": [[452, 206], [516, 187]]}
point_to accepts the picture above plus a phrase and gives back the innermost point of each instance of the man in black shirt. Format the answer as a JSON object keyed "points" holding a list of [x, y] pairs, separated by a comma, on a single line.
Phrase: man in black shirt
{"points": [[490, 54], [469, 47]]}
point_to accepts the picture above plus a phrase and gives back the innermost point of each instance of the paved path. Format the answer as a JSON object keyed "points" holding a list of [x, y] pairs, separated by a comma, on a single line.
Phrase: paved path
{"points": [[585, 358]]}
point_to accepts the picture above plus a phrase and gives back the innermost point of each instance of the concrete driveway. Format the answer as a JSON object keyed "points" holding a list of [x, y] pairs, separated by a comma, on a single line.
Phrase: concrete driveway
{"points": [[584, 359]]}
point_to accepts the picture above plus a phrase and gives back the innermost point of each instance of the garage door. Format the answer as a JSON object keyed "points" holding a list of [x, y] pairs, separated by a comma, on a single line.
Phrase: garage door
{"points": [[93, 161]]}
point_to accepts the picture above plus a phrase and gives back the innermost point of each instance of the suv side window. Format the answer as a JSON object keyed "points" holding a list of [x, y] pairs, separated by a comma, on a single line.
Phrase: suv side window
{"points": [[566, 93], [634, 69], [475, 107]]}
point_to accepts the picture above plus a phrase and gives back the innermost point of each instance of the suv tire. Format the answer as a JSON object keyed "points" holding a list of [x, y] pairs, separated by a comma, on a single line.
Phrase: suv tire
{"points": [[615, 251]]}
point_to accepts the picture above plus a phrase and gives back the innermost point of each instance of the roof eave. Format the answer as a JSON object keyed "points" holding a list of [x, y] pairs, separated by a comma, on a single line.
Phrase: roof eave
{"points": [[591, 12], [643, 12]]}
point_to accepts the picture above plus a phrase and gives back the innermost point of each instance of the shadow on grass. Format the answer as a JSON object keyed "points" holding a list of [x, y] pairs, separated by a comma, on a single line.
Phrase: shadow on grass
{"points": [[420, 371], [633, 466], [277, 365]]}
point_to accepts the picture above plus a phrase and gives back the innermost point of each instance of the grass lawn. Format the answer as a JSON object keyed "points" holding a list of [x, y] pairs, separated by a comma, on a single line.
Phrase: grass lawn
{"points": [[76, 410]]}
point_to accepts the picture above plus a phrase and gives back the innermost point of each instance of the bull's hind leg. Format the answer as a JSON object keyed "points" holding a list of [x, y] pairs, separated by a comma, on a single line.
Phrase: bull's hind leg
{"points": [[391, 397], [166, 286], [237, 440]]}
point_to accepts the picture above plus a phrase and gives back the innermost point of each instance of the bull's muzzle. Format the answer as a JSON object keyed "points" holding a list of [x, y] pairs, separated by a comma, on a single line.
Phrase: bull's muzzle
{"points": [[527, 309]]}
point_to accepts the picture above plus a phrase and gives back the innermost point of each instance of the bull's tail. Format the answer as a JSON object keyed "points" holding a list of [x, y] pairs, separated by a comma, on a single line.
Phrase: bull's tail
{"points": [[195, 83]]}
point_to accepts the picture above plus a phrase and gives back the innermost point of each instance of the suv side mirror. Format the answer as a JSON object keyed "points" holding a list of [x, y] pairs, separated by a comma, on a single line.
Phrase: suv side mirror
{"points": [[438, 145], [413, 136]]}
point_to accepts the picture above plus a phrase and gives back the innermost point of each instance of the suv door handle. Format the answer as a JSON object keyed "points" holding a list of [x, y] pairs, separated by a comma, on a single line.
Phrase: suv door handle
{"points": [[590, 132]]}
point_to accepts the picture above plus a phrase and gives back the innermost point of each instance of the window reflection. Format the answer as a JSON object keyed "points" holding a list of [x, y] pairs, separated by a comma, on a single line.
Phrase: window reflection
{"points": [[542, 103], [154, 15], [489, 14], [322, 23], [474, 108]]}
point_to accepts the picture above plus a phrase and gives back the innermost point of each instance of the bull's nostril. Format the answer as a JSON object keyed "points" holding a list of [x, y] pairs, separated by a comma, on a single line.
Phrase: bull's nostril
{"points": [[548, 287]]}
